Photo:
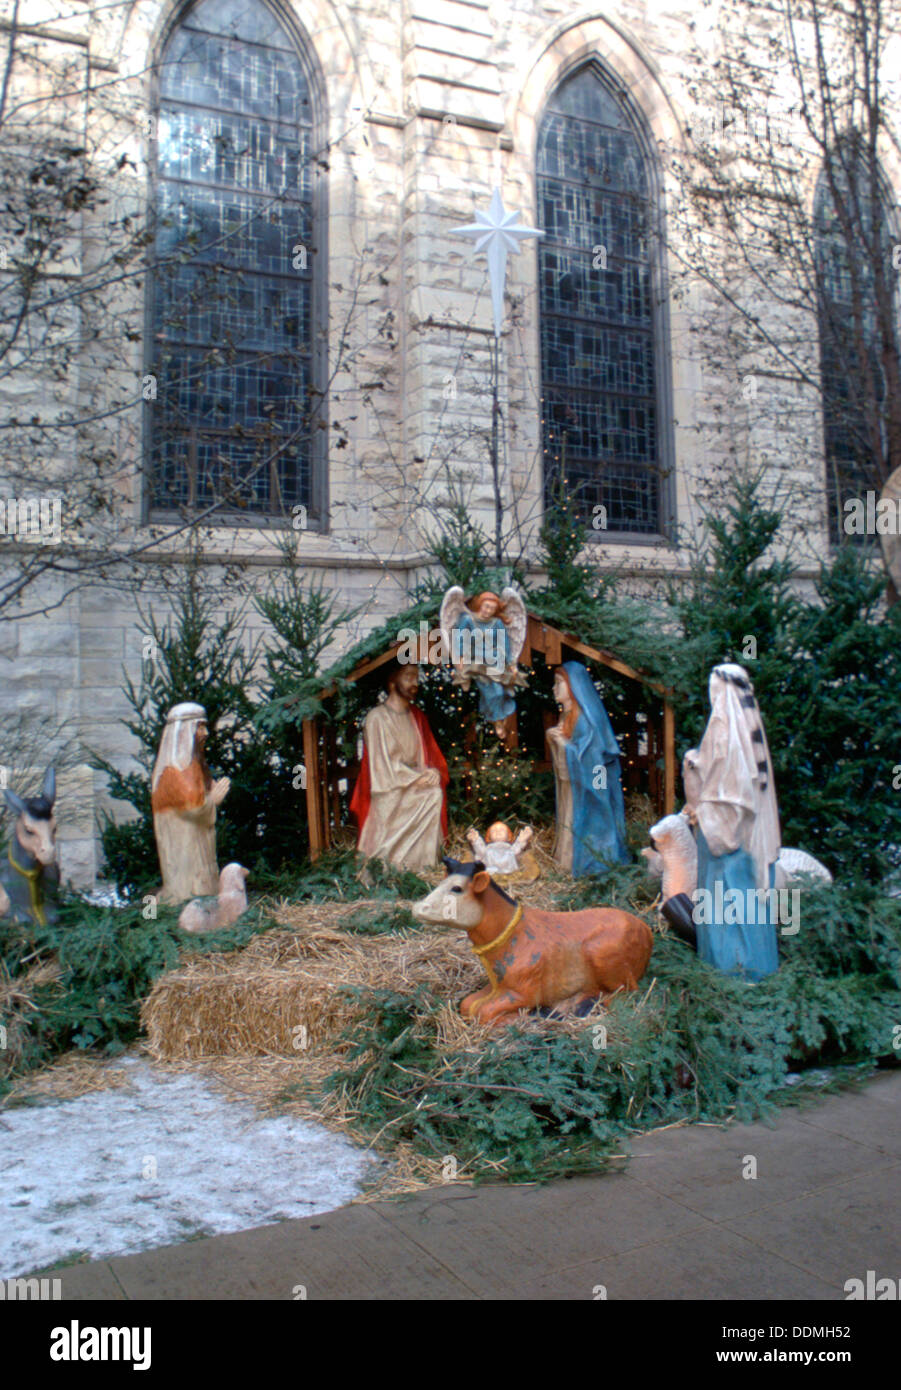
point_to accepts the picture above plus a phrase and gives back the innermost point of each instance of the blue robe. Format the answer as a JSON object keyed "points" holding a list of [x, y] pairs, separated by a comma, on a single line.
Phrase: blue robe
{"points": [[750, 950], [599, 813], [495, 701]]}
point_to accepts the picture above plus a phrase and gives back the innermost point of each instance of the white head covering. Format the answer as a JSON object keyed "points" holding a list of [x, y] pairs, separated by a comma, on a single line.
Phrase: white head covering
{"points": [[177, 743], [736, 804]]}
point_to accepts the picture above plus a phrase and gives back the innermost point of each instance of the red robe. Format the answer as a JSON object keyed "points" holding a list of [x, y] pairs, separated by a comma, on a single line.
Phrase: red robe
{"points": [[361, 798]]}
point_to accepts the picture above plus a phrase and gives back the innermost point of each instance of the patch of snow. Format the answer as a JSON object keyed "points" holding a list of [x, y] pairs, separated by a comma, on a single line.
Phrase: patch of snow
{"points": [[815, 1076], [155, 1163], [821, 1076], [105, 895]]}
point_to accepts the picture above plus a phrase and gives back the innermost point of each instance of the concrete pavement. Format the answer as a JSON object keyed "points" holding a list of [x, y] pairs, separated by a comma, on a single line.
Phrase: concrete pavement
{"points": [[682, 1222]]}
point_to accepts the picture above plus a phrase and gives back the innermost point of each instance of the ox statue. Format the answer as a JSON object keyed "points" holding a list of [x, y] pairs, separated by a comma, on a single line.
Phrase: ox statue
{"points": [[532, 958], [29, 874]]}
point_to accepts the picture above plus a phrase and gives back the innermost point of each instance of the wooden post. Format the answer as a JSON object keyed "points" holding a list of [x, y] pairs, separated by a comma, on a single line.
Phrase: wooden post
{"points": [[654, 728], [669, 759], [331, 799], [318, 842], [534, 641]]}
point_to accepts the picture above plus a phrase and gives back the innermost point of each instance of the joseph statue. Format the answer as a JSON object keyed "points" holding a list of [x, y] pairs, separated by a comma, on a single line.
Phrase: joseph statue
{"points": [[399, 801]]}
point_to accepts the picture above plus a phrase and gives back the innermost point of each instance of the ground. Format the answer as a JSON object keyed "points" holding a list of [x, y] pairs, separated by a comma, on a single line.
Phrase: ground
{"points": [[684, 1222], [152, 1155]]}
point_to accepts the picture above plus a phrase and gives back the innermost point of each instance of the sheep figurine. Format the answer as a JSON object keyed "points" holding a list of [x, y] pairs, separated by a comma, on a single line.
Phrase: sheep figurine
{"points": [[212, 914], [674, 858], [792, 863]]}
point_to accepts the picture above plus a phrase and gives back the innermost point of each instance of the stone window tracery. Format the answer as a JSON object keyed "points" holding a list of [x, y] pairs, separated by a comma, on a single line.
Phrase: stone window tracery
{"points": [[234, 295], [600, 330], [852, 381]]}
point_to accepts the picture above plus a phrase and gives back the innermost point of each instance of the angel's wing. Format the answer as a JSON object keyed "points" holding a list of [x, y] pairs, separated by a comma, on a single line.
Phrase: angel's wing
{"points": [[517, 622], [452, 605]]}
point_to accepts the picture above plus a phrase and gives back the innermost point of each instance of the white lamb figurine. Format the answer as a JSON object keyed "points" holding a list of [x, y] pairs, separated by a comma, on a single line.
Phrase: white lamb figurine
{"points": [[211, 914], [674, 856], [794, 862], [675, 859]]}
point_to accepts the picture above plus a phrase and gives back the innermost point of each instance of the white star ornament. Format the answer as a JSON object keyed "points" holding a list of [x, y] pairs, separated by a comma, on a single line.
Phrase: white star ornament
{"points": [[496, 232]]}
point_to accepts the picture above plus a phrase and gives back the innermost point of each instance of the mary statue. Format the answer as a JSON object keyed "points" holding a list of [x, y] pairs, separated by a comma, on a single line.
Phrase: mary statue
{"points": [[591, 817]]}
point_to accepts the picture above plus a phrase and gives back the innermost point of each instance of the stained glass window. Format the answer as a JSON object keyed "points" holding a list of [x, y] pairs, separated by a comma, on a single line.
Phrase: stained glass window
{"points": [[849, 238], [232, 301], [599, 388]]}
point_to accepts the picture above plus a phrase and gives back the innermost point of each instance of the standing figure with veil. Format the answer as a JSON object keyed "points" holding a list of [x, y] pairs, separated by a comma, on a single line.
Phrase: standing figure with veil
{"points": [[732, 803], [591, 814]]}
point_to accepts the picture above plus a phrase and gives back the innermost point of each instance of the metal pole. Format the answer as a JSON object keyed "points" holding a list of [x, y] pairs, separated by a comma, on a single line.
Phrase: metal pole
{"points": [[495, 466]]}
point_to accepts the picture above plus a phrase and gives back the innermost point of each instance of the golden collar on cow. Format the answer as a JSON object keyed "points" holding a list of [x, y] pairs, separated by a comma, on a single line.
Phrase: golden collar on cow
{"points": [[492, 945]]}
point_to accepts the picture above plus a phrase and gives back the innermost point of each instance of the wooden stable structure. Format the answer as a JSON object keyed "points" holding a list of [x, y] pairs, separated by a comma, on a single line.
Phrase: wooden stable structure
{"points": [[642, 744]]}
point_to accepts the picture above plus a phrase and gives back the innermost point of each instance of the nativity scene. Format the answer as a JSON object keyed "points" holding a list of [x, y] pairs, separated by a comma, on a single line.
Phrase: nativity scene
{"points": [[395, 848]]}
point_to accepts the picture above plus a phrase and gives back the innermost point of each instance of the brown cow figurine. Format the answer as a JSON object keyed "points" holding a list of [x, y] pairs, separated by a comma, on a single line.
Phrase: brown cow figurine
{"points": [[534, 958]]}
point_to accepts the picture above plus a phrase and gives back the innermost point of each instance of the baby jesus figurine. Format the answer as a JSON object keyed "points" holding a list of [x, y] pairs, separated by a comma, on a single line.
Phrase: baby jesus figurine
{"points": [[499, 852]]}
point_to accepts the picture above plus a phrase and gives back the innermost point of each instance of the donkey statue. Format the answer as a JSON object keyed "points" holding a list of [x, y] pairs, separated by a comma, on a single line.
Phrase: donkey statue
{"points": [[29, 873]]}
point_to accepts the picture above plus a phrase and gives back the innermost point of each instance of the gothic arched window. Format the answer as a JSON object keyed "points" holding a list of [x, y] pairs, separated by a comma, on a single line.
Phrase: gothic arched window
{"points": [[235, 300], [605, 425], [857, 311]]}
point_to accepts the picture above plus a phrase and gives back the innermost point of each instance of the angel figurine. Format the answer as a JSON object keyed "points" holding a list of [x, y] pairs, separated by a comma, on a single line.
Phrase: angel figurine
{"points": [[484, 638]]}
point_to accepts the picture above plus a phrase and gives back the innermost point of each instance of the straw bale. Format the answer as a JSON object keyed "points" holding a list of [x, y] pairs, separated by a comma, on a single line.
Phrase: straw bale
{"points": [[283, 994], [17, 1007]]}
